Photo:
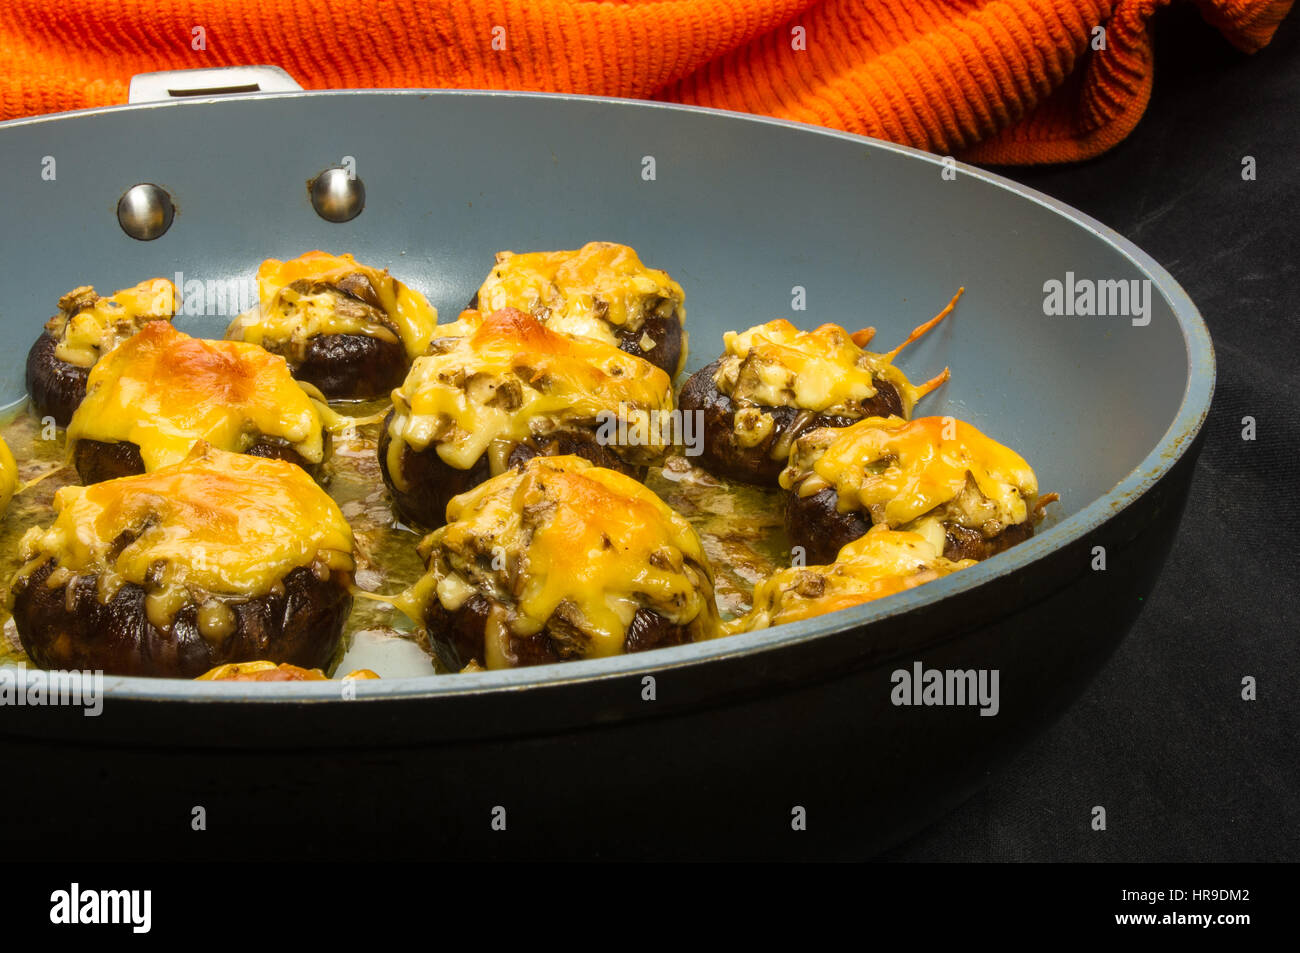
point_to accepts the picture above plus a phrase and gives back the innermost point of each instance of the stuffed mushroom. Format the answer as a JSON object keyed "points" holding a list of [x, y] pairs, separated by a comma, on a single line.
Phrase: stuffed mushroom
{"points": [[937, 476], [346, 328], [86, 328], [8, 477], [264, 671], [875, 565], [775, 382], [560, 560], [511, 390], [602, 291], [219, 558], [157, 394]]}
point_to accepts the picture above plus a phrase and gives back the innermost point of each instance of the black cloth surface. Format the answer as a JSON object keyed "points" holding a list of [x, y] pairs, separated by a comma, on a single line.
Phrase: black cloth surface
{"points": [[1186, 769]]}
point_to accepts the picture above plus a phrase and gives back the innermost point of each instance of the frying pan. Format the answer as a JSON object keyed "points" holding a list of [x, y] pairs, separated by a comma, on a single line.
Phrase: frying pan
{"points": [[744, 735]]}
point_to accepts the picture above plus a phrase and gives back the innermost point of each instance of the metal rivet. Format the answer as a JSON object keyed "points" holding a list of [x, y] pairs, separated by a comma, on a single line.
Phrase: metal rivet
{"points": [[145, 211], [337, 196]]}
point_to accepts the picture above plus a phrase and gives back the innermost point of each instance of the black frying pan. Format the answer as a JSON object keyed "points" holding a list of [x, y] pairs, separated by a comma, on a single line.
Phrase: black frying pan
{"points": [[744, 732]]}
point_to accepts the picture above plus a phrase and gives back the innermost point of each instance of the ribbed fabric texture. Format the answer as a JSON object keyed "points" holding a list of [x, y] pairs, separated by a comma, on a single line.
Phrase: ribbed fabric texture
{"points": [[999, 81]]}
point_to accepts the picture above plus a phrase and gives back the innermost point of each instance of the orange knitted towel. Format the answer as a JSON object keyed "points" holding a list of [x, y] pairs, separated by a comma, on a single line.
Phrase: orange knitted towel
{"points": [[1001, 81]]}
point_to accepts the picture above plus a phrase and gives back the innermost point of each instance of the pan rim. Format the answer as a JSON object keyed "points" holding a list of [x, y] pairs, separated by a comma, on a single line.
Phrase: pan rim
{"points": [[1187, 422]]}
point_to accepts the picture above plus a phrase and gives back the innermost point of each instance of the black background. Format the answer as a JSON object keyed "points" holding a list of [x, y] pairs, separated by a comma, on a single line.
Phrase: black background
{"points": [[1185, 768]]}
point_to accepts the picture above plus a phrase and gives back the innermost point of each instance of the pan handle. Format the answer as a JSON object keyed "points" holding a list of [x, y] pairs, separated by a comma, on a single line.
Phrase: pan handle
{"points": [[219, 81]]}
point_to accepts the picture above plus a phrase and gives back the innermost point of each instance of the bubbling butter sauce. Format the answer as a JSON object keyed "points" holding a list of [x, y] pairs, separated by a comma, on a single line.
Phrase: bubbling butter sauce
{"points": [[740, 528]]}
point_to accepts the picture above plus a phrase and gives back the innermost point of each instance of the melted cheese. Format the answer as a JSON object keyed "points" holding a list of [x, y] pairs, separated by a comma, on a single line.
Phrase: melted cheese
{"points": [[777, 365], [898, 471], [511, 378], [8, 476], [466, 323], [271, 672], [164, 390], [217, 523], [600, 288], [561, 532], [879, 564], [84, 337], [287, 317]]}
